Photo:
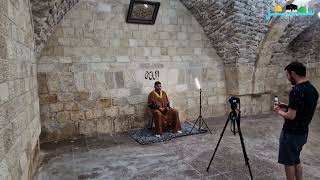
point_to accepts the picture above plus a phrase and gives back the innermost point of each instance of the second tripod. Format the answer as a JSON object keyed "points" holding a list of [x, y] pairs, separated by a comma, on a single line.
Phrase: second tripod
{"points": [[200, 120], [235, 118]]}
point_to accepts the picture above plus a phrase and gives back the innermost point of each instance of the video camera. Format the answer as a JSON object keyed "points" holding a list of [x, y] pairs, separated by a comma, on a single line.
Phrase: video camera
{"points": [[234, 101]]}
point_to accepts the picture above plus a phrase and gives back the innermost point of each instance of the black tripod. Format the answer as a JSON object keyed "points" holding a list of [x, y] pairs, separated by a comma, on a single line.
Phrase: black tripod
{"points": [[235, 119], [200, 119]]}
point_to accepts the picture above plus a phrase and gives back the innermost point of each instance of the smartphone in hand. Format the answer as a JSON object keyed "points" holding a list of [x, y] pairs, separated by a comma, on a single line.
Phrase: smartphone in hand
{"points": [[276, 100], [278, 103], [282, 105]]}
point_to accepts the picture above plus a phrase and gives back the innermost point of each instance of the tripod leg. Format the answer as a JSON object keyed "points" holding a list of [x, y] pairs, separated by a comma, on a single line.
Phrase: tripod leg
{"points": [[215, 150], [200, 118], [234, 127], [194, 125], [243, 148], [207, 126]]}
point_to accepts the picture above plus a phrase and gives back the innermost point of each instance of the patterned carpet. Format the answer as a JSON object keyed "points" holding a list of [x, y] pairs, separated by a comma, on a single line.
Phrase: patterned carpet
{"points": [[147, 136]]}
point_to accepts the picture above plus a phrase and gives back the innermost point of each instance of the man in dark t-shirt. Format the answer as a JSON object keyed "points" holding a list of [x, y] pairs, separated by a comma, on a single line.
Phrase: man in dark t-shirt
{"points": [[297, 116]]}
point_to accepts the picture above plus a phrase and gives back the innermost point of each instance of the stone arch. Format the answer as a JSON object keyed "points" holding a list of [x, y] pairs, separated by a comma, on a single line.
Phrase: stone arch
{"points": [[224, 30], [306, 49], [46, 14], [268, 77], [220, 28], [275, 53], [292, 29], [226, 34], [235, 29], [306, 45], [281, 33]]}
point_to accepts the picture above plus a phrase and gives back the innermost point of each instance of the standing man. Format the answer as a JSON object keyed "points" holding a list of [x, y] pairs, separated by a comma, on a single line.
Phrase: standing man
{"points": [[297, 115], [164, 116]]}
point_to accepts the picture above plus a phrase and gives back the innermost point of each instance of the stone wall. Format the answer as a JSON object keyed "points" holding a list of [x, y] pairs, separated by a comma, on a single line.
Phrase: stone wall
{"points": [[289, 39], [217, 19], [236, 29], [86, 58], [96, 71], [266, 77], [304, 48], [19, 102]]}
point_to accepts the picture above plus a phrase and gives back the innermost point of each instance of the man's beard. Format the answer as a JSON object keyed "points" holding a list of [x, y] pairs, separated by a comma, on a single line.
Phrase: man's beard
{"points": [[293, 82]]}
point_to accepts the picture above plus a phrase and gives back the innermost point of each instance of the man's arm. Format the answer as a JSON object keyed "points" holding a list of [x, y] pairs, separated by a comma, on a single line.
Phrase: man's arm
{"points": [[152, 106], [290, 115], [168, 104]]}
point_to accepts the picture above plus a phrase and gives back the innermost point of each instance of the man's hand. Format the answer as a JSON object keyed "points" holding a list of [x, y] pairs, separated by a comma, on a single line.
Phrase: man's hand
{"points": [[163, 109], [168, 105], [282, 105], [276, 108], [153, 106]]}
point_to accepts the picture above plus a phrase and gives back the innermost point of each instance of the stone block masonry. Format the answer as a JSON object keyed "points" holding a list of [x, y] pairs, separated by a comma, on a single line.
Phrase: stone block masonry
{"points": [[236, 29], [91, 72], [96, 71], [304, 48], [19, 102], [94, 54]]}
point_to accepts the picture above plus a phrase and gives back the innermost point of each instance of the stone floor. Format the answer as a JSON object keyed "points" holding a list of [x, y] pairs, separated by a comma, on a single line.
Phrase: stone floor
{"points": [[118, 157]]}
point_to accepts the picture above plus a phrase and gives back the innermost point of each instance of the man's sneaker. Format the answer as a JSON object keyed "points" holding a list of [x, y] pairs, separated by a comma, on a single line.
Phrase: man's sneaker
{"points": [[179, 132], [158, 135]]}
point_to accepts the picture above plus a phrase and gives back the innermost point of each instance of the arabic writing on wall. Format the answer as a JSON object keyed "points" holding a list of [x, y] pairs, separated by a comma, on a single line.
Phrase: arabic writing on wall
{"points": [[152, 75]]}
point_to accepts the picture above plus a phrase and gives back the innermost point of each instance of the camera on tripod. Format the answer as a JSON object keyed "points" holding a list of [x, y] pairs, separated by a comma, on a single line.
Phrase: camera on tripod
{"points": [[234, 117], [234, 101]]}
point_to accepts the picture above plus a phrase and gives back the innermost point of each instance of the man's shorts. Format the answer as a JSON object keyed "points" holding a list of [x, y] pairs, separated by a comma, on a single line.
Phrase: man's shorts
{"points": [[290, 147]]}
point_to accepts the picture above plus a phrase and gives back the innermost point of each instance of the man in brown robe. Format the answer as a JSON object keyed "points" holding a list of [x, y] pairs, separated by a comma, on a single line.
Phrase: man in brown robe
{"points": [[165, 117]]}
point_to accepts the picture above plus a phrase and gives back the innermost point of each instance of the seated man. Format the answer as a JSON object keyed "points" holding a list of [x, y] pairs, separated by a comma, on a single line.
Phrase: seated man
{"points": [[165, 117]]}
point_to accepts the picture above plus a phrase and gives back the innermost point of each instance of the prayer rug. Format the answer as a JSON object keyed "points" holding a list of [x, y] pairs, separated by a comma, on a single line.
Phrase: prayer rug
{"points": [[147, 136]]}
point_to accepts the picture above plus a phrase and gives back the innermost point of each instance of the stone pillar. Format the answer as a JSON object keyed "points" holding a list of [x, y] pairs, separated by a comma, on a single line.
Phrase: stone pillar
{"points": [[240, 83], [19, 102]]}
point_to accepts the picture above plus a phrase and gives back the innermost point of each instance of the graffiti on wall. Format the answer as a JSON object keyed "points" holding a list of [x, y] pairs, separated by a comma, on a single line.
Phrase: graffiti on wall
{"points": [[152, 75]]}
